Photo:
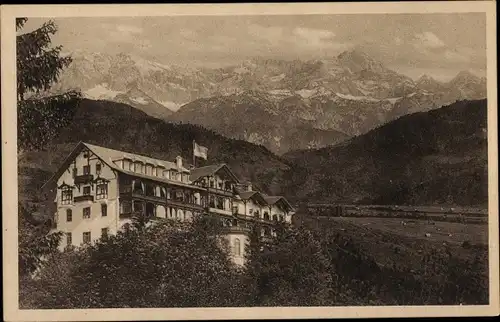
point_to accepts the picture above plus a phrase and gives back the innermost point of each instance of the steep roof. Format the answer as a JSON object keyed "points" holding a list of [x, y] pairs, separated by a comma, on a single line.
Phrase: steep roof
{"points": [[246, 194], [209, 170], [110, 155], [271, 200], [255, 195]]}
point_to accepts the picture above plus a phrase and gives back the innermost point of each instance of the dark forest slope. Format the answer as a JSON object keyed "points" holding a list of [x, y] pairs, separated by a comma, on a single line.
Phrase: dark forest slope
{"points": [[435, 157]]}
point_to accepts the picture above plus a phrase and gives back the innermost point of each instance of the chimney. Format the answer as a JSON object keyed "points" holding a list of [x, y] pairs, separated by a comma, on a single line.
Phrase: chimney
{"points": [[178, 161]]}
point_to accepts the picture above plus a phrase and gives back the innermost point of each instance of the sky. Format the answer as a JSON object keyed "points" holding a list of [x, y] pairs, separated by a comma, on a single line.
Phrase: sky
{"points": [[439, 45]]}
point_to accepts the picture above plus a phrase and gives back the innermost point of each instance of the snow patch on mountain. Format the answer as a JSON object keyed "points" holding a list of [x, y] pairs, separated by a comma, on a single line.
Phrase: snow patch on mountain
{"points": [[306, 93], [241, 70], [393, 100], [280, 92], [277, 78], [101, 91], [356, 98], [171, 105], [139, 100]]}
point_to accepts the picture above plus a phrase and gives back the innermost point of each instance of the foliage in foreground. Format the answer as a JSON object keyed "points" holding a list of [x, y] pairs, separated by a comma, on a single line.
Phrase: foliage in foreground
{"points": [[171, 264]]}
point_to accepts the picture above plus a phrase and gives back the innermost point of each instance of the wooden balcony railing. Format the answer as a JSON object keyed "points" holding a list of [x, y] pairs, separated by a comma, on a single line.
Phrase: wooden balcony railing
{"points": [[223, 192], [83, 198], [236, 229], [84, 178], [219, 211]]}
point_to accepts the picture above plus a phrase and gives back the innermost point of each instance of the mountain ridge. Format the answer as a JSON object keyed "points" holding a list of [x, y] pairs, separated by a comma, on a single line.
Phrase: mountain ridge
{"points": [[347, 94]]}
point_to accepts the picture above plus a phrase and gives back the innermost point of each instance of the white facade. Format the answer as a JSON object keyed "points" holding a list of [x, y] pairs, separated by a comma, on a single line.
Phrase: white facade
{"points": [[99, 189]]}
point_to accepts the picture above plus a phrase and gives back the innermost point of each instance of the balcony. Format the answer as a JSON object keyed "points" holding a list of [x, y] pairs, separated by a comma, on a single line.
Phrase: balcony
{"points": [[129, 194], [222, 192], [85, 178], [131, 214], [84, 198], [236, 229], [219, 211], [178, 203]]}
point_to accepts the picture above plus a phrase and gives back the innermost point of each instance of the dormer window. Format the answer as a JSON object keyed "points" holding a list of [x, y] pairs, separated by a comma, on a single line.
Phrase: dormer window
{"points": [[66, 195], [138, 167]]}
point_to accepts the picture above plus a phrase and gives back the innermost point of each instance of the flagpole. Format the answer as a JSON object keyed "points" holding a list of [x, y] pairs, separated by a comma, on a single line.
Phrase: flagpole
{"points": [[194, 157]]}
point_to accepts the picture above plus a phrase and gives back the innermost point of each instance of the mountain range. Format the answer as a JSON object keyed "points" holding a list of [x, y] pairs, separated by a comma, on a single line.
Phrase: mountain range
{"points": [[283, 105], [426, 158]]}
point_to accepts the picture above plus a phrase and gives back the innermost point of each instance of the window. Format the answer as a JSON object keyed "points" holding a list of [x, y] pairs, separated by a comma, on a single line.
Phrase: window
{"points": [[104, 232], [126, 164], [138, 167], [75, 172], [66, 196], [101, 191], [86, 154], [131, 166], [125, 207], [104, 210], [149, 170], [98, 168], [86, 213], [237, 247], [69, 215], [86, 237], [86, 191], [86, 169], [69, 240], [154, 173]]}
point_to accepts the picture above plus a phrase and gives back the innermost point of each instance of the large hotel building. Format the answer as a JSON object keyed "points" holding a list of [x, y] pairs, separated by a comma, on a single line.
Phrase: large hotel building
{"points": [[99, 190]]}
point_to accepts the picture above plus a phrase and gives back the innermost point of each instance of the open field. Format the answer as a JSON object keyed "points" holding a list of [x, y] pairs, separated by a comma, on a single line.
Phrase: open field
{"points": [[464, 215], [448, 232], [393, 241]]}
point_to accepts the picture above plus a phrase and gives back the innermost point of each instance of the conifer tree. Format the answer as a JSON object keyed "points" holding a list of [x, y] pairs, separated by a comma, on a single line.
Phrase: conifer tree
{"points": [[40, 116]]}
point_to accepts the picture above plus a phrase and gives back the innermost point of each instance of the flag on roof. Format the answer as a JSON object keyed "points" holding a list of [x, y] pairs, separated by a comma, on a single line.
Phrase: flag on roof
{"points": [[200, 151]]}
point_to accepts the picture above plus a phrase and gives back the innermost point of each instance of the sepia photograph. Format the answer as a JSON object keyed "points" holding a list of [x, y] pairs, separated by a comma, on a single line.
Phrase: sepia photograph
{"points": [[244, 157]]}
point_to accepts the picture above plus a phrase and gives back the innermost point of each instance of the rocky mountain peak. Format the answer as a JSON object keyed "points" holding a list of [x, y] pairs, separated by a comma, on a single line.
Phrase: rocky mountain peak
{"points": [[357, 60], [465, 76]]}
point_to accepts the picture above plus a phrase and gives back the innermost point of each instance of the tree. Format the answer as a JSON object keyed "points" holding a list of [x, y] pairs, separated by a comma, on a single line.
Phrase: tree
{"points": [[291, 271], [40, 116], [161, 264], [35, 242]]}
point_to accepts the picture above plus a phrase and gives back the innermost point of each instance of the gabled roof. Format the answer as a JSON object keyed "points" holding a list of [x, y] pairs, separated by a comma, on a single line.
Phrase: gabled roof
{"points": [[271, 200], [209, 170], [108, 156], [255, 195]]}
